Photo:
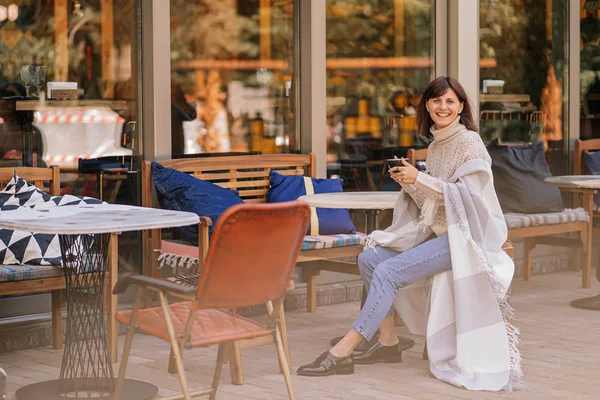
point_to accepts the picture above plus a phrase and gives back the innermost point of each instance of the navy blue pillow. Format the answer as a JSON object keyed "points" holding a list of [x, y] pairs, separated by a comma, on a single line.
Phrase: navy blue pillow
{"points": [[591, 166], [332, 221], [182, 192]]}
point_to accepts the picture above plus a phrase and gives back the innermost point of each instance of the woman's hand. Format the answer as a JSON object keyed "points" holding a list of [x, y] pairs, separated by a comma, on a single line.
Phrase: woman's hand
{"points": [[406, 174]]}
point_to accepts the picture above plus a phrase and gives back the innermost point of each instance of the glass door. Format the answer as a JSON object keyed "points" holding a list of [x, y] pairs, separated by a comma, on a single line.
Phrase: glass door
{"points": [[69, 97], [231, 73]]}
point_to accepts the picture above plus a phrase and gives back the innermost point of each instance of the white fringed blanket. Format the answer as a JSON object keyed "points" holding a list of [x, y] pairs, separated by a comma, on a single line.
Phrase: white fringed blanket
{"points": [[464, 312]]}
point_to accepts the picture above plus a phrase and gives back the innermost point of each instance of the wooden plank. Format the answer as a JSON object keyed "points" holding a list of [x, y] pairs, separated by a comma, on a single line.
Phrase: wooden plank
{"points": [[291, 172], [257, 192], [245, 162], [245, 184], [228, 175], [33, 105], [61, 46], [264, 200], [32, 286], [546, 230], [27, 173]]}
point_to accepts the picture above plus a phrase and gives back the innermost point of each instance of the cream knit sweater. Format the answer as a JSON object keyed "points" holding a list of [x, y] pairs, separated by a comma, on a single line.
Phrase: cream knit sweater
{"points": [[452, 146]]}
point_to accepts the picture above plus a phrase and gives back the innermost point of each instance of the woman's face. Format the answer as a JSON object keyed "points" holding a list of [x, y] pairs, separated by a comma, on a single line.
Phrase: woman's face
{"points": [[444, 109]]}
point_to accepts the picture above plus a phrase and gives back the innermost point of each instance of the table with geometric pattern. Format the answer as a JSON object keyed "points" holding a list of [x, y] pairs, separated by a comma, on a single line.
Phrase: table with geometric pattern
{"points": [[84, 233]]}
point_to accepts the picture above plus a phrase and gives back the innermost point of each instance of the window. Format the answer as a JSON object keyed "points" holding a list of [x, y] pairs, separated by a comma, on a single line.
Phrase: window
{"points": [[231, 71], [379, 60], [523, 72]]}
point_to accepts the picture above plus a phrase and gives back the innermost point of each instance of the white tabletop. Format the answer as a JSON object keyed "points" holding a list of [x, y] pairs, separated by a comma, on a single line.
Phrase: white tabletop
{"points": [[353, 200], [93, 218], [575, 181]]}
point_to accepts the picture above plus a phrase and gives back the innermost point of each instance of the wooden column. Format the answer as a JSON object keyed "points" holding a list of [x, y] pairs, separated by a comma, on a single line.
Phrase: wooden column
{"points": [[61, 30], [107, 23], [399, 32], [264, 13]]}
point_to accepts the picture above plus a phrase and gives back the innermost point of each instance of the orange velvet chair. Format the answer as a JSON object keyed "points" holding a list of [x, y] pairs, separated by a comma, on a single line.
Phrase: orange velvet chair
{"points": [[250, 261]]}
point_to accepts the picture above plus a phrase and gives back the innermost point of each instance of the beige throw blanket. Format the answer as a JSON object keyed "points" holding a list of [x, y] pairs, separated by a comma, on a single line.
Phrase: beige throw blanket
{"points": [[463, 312]]}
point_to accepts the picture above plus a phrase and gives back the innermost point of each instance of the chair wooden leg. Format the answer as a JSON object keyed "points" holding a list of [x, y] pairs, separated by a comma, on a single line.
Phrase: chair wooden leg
{"points": [[284, 362], [235, 364], [112, 328], [127, 347], [57, 319], [284, 338], [527, 256], [174, 345], [221, 356]]}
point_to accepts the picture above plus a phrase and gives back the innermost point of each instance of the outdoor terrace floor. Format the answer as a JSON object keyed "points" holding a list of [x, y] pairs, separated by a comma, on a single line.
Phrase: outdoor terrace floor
{"points": [[560, 348]]}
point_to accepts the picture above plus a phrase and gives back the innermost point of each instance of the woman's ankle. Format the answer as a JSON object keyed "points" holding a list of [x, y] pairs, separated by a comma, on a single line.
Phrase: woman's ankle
{"points": [[389, 341]]}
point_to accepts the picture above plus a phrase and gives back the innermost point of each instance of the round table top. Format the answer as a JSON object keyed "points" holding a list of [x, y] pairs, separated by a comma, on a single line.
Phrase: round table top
{"points": [[575, 181], [93, 219], [353, 200]]}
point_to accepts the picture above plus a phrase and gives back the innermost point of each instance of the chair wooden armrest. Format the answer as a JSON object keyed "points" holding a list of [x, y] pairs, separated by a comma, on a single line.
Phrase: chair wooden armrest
{"points": [[154, 283]]}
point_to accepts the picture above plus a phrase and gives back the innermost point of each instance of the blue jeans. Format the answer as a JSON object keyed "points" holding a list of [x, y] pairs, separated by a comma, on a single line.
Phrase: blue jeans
{"points": [[386, 271]]}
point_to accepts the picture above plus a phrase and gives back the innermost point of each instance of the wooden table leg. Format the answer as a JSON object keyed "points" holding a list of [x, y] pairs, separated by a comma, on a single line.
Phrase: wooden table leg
{"points": [[588, 204]]}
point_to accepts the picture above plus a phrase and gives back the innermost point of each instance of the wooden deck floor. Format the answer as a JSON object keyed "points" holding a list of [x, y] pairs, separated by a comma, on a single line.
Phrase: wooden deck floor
{"points": [[560, 348]]}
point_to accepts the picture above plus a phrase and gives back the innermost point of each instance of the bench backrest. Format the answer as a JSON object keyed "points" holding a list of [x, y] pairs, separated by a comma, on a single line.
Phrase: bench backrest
{"points": [[34, 175], [591, 146], [248, 173], [414, 155]]}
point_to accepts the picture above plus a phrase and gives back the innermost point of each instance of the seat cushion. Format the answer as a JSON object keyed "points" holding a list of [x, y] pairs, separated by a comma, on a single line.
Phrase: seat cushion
{"points": [[327, 242], [519, 173], [12, 273], [516, 221], [323, 221], [179, 191], [210, 326]]}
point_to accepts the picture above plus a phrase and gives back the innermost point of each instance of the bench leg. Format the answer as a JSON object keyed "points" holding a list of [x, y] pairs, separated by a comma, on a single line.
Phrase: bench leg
{"points": [[57, 319], [310, 274], [527, 255]]}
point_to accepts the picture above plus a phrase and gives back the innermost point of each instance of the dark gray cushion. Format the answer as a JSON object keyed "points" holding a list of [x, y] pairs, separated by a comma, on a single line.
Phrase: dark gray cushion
{"points": [[519, 173]]}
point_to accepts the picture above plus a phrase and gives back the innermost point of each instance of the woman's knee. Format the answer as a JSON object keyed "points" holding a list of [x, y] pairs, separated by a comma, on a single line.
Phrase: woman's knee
{"points": [[366, 260]]}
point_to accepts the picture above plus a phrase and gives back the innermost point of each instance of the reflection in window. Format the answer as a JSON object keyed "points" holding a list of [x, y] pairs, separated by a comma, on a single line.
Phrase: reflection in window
{"points": [[231, 64], [379, 60], [523, 72], [590, 70]]}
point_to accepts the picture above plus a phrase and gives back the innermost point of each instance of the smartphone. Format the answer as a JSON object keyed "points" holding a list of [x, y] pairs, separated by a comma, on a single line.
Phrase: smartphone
{"points": [[394, 162]]}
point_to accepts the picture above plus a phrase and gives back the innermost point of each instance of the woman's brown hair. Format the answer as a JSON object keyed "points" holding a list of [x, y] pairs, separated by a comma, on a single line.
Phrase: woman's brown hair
{"points": [[436, 88]]}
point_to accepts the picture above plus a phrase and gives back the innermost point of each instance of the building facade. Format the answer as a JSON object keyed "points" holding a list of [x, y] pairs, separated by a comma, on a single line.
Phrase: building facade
{"points": [[159, 79]]}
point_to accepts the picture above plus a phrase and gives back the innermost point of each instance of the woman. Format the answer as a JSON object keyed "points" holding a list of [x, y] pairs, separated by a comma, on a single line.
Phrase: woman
{"points": [[447, 220]]}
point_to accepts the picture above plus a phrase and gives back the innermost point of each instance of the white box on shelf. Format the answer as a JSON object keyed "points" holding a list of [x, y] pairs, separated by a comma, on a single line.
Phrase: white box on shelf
{"points": [[493, 86], [60, 86]]}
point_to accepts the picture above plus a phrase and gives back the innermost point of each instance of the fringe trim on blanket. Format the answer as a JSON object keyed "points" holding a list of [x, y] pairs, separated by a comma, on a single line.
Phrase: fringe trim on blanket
{"points": [[516, 377], [176, 261], [370, 243]]}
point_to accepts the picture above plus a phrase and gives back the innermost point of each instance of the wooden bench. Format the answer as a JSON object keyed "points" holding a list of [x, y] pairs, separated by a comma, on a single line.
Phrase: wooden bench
{"points": [[250, 175], [539, 229], [31, 279]]}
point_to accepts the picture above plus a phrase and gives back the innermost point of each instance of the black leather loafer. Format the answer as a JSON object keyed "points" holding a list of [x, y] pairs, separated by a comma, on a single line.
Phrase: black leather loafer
{"points": [[379, 353], [328, 364]]}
